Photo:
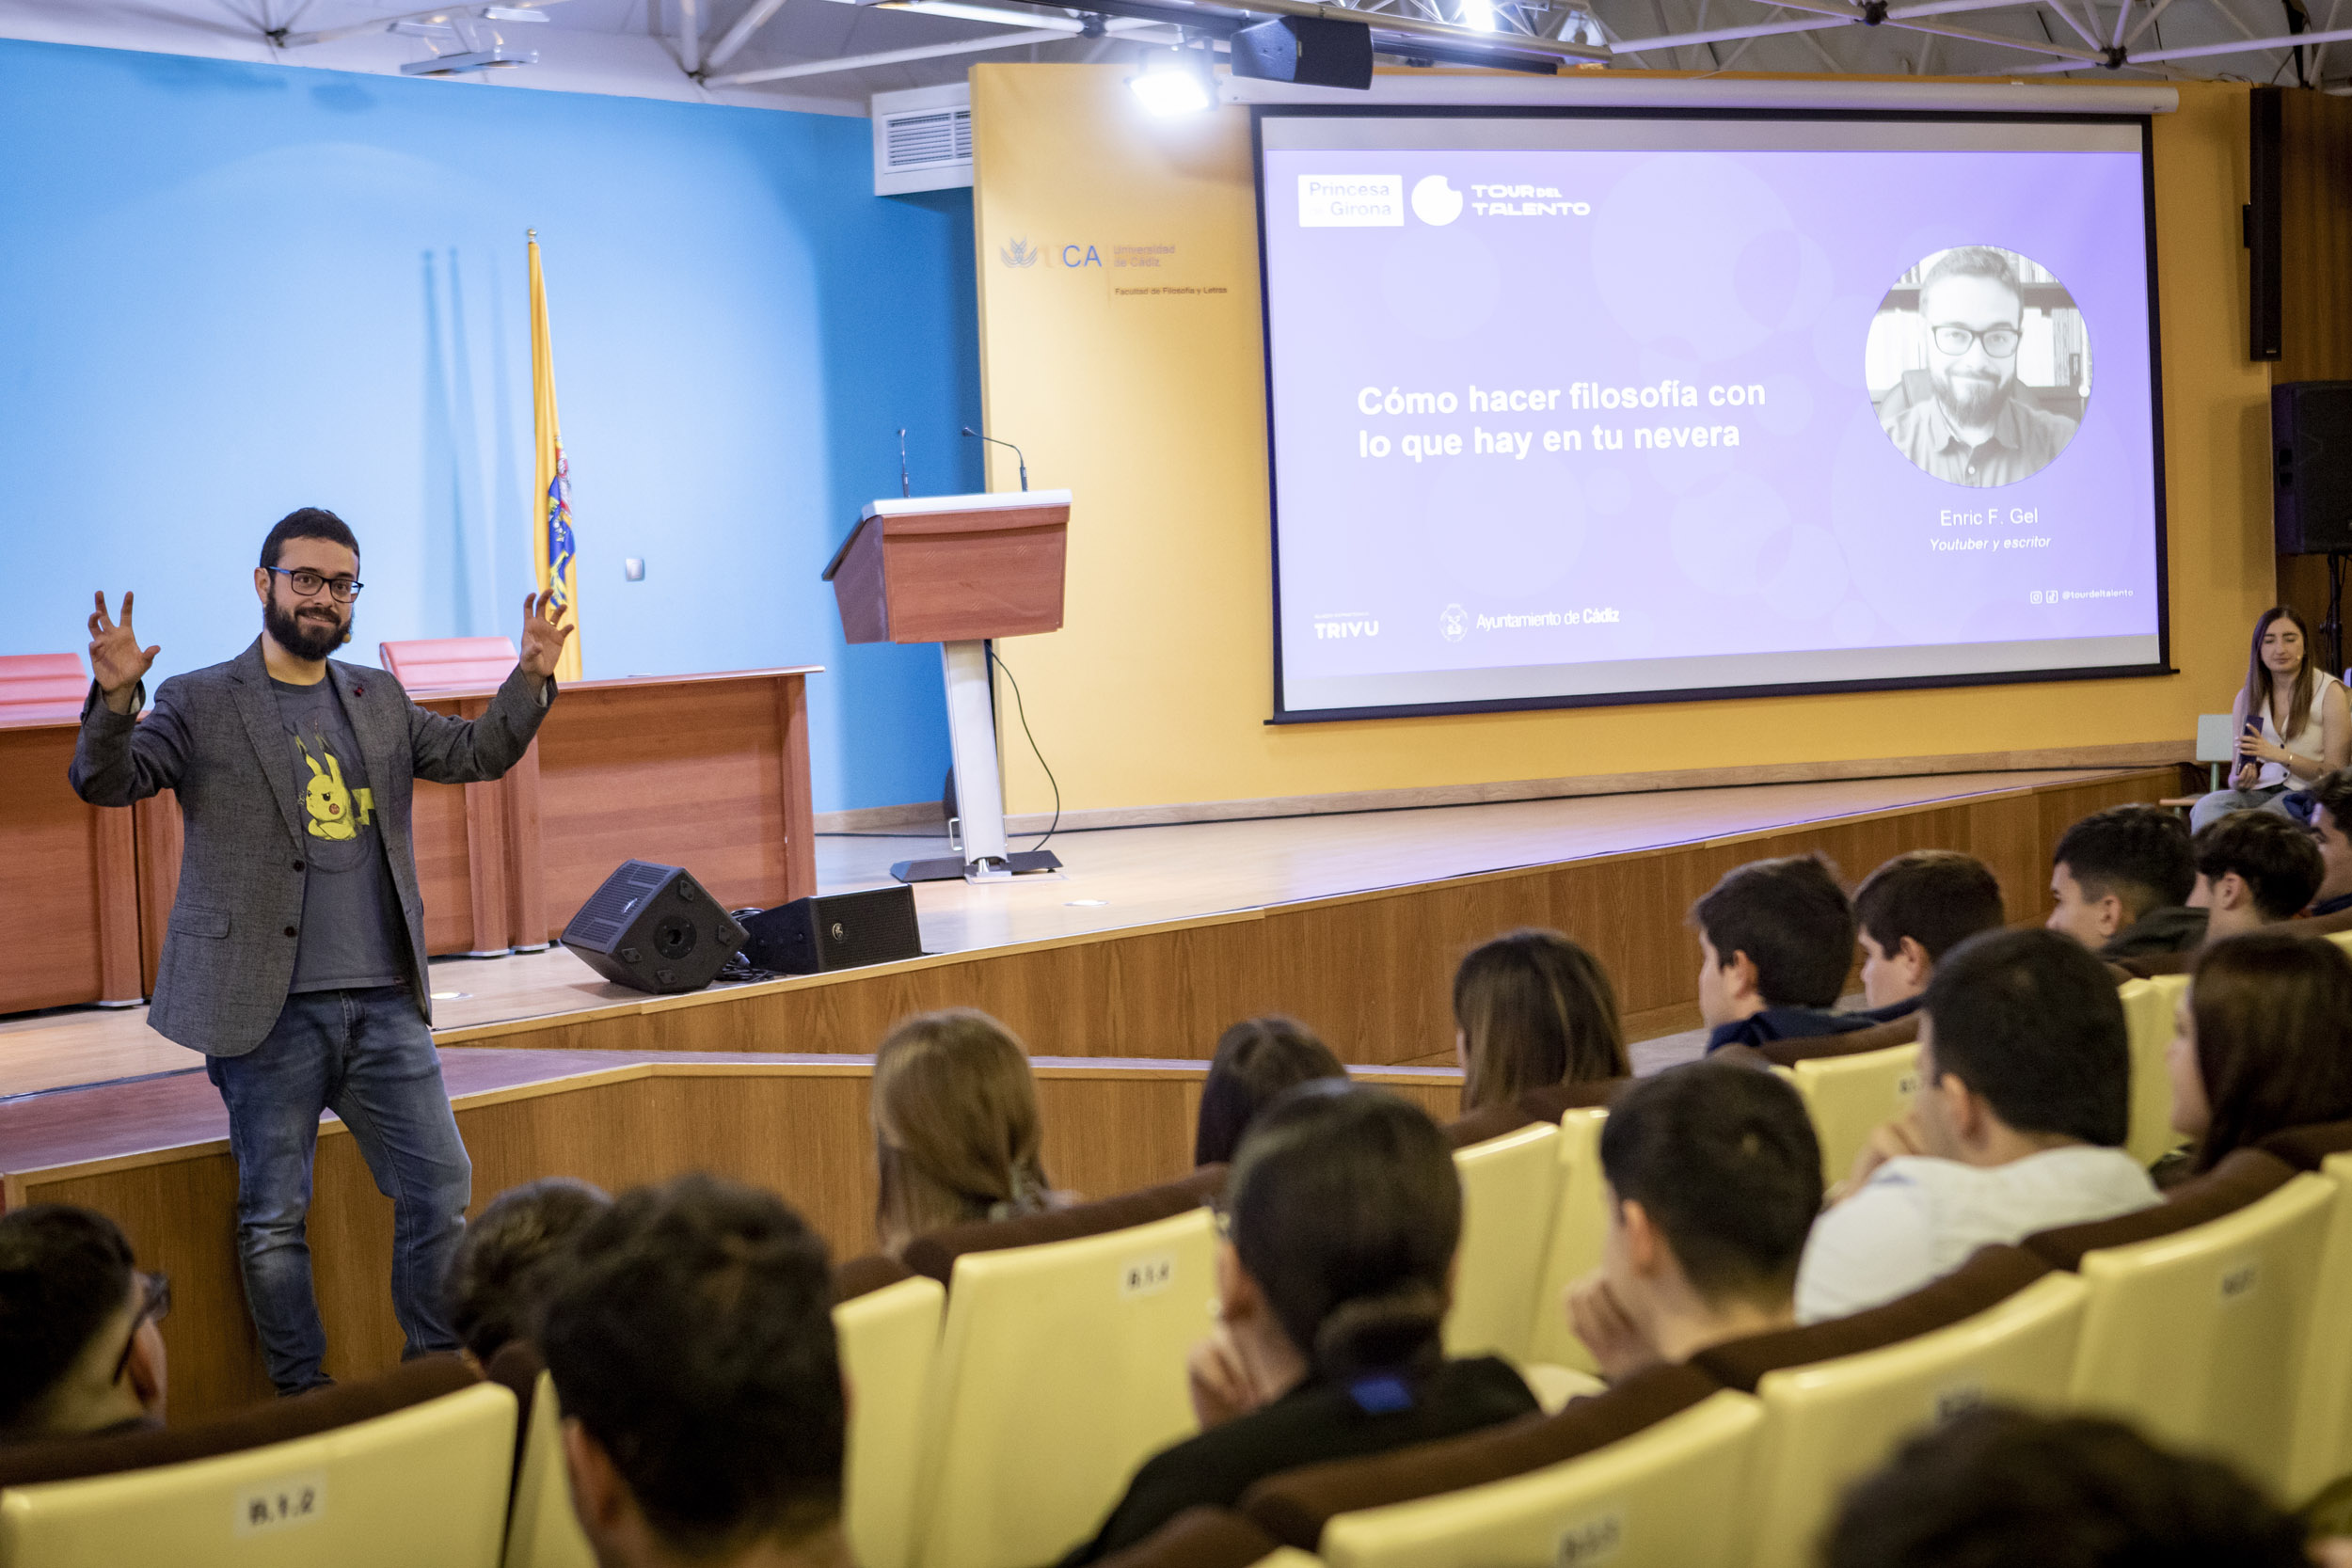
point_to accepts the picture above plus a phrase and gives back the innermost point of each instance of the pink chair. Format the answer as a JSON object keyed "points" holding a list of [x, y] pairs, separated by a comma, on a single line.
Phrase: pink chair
{"points": [[449, 663], [40, 688]]}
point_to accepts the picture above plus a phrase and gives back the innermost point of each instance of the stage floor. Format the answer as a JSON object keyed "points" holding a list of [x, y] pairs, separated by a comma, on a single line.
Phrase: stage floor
{"points": [[1115, 878]]}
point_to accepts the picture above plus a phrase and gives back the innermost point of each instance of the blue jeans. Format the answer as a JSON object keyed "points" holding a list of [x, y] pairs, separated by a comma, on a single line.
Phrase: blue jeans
{"points": [[2212, 808], [368, 1057]]}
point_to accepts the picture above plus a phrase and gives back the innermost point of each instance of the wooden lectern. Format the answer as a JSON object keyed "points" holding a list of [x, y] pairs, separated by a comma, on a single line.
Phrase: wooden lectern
{"points": [[958, 570]]}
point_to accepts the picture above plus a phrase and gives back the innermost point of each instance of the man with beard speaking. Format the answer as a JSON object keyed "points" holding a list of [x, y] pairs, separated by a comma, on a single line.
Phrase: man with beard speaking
{"points": [[295, 958], [1980, 428]]}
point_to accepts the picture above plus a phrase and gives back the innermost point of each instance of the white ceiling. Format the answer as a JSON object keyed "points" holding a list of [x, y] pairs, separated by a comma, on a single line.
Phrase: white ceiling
{"points": [[632, 47]]}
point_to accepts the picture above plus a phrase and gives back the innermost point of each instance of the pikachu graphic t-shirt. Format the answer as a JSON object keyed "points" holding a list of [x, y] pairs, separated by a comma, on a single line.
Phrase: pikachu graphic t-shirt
{"points": [[352, 933]]}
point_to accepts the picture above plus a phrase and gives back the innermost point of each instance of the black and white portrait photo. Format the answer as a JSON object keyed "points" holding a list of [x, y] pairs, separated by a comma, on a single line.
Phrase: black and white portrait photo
{"points": [[1978, 365]]}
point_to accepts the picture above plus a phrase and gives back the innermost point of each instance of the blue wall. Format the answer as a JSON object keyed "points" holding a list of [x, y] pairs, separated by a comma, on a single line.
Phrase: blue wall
{"points": [[227, 291]]}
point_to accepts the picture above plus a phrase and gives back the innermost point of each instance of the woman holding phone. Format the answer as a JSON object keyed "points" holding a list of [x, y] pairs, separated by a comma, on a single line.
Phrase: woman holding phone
{"points": [[2293, 722]]}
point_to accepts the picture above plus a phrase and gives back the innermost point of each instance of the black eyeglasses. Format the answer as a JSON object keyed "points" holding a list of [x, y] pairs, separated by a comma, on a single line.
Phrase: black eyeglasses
{"points": [[154, 1308], [1999, 342], [307, 582]]}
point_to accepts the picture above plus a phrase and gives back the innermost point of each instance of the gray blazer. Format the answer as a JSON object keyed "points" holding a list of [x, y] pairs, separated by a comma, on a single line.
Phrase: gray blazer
{"points": [[216, 737]]}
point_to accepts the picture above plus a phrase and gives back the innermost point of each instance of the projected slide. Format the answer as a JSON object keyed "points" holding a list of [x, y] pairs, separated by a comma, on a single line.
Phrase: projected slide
{"points": [[1586, 409]]}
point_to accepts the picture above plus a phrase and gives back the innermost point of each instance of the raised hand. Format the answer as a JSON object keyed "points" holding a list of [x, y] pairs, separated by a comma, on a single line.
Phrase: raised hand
{"points": [[543, 634], [115, 659]]}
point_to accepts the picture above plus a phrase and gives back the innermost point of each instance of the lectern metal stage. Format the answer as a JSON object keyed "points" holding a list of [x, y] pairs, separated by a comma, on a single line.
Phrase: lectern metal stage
{"points": [[958, 570]]}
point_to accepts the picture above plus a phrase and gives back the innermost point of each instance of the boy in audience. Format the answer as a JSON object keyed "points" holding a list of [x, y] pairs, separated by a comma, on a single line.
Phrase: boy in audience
{"points": [[691, 1346], [2120, 882], [2331, 814], [2024, 1091], [1909, 914], [1714, 1178], [1775, 940], [2253, 869], [511, 1259], [1996, 1485], [80, 1355]]}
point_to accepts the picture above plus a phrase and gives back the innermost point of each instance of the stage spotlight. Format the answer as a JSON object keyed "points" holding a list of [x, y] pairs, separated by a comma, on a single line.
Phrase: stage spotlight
{"points": [[1170, 83]]}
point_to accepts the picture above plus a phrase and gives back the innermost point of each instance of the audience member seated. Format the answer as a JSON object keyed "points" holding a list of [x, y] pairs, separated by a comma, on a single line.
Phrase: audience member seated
{"points": [[1533, 1009], [1776, 941], [2120, 882], [956, 1130], [1909, 914], [2024, 1093], [1256, 1059], [2331, 816], [509, 1261], [2262, 1041], [1996, 1486], [1714, 1178], [703, 1418], [2302, 721], [2253, 869], [1342, 1212], [80, 1355]]}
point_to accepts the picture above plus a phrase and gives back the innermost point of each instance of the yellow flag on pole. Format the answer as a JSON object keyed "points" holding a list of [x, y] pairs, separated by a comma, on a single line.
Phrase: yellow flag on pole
{"points": [[551, 525]]}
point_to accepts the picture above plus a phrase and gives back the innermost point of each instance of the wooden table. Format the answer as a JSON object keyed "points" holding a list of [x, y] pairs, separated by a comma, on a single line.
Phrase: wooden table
{"points": [[705, 771]]}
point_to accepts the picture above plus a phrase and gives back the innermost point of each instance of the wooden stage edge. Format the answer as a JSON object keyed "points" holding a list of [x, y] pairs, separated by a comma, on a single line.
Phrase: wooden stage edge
{"points": [[1370, 969]]}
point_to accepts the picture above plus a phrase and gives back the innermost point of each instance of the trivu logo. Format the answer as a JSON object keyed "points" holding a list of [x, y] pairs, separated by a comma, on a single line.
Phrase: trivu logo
{"points": [[1435, 201], [1021, 253]]}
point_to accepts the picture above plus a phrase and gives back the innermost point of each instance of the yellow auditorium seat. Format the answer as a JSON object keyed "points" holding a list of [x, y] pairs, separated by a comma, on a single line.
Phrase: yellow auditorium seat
{"points": [[1838, 1395], [2322, 1428], [1510, 1186], [2199, 1333], [424, 1484], [1652, 1501], [1580, 1223], [1849, 1097], [1061, 1370], [2148, 1009], [2341, 938], [889, 1339], [542, 1531]]}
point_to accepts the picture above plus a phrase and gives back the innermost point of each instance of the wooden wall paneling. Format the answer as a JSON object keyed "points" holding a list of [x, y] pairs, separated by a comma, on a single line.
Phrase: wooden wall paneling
{"points": [[2315, 257], [684, 774], [156, 836], [800, 1129], [800, 811], [51, 892], [437, 837]]}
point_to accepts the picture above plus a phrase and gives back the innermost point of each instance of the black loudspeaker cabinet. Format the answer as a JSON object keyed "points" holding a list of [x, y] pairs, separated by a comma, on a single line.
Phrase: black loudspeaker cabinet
{"points": [[2311, 467], [835, 930], [2266, 222], [652, 927], [1307, 50]]}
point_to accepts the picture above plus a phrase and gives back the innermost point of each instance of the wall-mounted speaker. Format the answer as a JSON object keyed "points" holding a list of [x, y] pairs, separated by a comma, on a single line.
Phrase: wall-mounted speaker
{"points": [[2266, 277], [2311, 467], [835, 930], [652, 927], [1305, 49]]}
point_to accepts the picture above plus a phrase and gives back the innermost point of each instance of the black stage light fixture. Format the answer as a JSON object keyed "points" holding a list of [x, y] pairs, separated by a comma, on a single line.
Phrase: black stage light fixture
{"points": [[1305, 50]]}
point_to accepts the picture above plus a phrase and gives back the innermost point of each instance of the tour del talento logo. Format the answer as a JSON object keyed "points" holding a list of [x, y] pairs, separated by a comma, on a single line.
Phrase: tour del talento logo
{"points": [[1021, 253], [1435, 201]]}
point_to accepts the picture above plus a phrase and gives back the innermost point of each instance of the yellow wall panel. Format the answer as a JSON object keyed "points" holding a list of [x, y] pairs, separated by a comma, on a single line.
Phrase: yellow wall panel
{"points": [[1121, 346]]}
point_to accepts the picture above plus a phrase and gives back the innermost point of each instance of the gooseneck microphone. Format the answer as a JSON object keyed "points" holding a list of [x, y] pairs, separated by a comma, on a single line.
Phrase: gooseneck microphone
{"points": [[1016, 452], [905, 488]]}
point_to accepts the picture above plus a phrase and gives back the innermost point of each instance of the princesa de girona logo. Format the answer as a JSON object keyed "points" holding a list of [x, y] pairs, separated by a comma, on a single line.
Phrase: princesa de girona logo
{"points": [[1021, 253]]}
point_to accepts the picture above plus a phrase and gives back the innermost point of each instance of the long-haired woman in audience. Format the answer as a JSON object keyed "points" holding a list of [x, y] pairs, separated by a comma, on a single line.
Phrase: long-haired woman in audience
{"points": [[1341, 1216], [956, 1127], [1532, 1009], [2302, 721], [2263, 1041], [1256, 1059]]}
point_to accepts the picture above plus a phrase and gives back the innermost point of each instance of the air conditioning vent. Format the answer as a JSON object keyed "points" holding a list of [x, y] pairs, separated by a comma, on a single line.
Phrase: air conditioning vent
{"points": [[922, 139]]}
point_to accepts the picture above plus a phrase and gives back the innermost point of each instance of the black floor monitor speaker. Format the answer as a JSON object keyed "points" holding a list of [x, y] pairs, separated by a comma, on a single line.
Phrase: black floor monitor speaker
{"points": [[652, 928], [835, 930], [2310, 474]]}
